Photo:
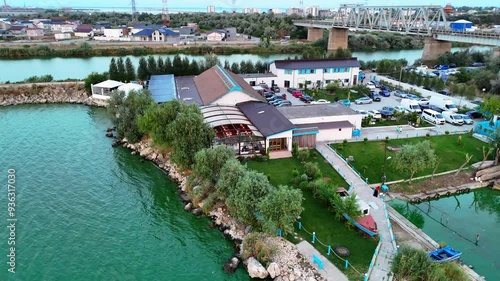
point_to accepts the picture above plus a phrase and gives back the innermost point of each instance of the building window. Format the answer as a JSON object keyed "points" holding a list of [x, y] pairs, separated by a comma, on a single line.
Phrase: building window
{"points": [[288, 71], [328, 81], [312, 71], [346, 69], [340, 129], [325, 70], [346, 80]]}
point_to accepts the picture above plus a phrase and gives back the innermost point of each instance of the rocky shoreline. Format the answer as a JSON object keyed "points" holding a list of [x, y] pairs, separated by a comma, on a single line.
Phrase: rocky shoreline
{"points": [[287, 263], [40, 93]]}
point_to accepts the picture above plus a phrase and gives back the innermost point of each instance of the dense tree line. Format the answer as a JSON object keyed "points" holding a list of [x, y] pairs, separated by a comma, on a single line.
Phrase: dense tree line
{"points": [[221, 179]]}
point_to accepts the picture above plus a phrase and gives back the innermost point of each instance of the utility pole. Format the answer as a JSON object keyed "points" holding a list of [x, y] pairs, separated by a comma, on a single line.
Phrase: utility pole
{"points": [[134, 12], [165, 17]]}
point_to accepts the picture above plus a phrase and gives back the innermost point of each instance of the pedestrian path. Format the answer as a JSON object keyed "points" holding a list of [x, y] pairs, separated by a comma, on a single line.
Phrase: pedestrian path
{"points": [[329, 271], [382, 266]]}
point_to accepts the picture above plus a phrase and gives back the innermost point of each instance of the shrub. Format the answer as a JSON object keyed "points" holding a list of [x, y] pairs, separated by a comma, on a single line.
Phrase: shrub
{"points": [[295, 173], [387, 139], [254, 245], [344, 141], [459, 140], [295, 149], [447, 132], [311, 169], [427, 135], [365, 140], [303, 155]]}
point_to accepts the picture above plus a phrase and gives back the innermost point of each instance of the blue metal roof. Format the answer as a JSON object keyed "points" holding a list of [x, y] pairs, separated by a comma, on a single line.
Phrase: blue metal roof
{"points": [[168, 32], [162, 88], [144, 32]]}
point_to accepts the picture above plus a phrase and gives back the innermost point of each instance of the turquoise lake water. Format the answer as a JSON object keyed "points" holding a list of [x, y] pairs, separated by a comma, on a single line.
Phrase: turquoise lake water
{"points": [[457, 220], [87, 211]]}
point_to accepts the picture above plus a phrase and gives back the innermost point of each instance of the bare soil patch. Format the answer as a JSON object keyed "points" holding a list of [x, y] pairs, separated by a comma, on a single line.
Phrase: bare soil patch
{"points": [[428, 184]]}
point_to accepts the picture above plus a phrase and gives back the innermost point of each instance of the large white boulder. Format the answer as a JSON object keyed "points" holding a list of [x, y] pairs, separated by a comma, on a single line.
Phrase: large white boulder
{"points": [[256, 269], [274, 270]]}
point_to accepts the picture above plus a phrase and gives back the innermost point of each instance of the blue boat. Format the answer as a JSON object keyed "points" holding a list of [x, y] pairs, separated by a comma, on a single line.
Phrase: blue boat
{"points": [[445, 254]]}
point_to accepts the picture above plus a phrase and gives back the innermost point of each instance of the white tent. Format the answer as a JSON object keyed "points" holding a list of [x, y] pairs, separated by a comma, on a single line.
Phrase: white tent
{"points": [[127, 88]]}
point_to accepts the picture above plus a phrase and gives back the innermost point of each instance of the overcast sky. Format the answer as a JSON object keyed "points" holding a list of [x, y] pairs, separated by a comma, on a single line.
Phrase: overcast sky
{"points": [[240, 3]]}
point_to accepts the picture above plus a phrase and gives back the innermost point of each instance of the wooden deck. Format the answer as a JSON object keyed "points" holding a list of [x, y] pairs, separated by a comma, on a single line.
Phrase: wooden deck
{"points": [[438, 193]]}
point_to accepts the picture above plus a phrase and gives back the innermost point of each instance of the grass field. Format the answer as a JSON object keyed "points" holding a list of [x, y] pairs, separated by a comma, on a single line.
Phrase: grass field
{"points": [[316, 216], [369, 157]]}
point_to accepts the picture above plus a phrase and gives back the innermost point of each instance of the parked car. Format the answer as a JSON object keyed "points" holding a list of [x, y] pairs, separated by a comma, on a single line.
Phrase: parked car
{"points": [[363, 100], [467, 119], [276, 102], [385, 88], [291, 90], [375, 96], [345, 102], [474, 114], [452, 65], [322, 101], [398, 93], [297, 94], [285, 103], [375, 114], [478, 102], [371, 86], [363, 113], [444, 92], [413, 97], [386, 113], [384, 93], [274, 98], [443, 67], [276, 89], [376, 83], [477, 64], [423, 101], [268, 94], [435, 108], [306, 98]]}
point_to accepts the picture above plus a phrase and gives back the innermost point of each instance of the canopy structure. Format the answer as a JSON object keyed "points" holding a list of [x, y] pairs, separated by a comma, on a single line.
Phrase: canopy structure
{"points": [[129, 87]]}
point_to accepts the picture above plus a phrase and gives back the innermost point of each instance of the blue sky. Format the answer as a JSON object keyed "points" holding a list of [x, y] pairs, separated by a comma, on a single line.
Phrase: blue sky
{"points": [[238, 3]]}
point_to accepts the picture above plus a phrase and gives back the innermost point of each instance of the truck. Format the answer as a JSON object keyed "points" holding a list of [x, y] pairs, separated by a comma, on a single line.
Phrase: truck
{"points": [[443, 103], [411, 105]]}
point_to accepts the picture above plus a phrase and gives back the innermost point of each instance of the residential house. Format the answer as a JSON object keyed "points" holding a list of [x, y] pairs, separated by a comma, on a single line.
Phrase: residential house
{"points": [[43, 23], [315, 72], [74, 22], [84, 30], [141, 26], [115, 32], [26, 23], [62, 36], [17, 29], [105, 89], [216, 35], [62, 27], [187, 31], [163, 34], [34, 32], [230, 33], [143, 35], [4, 25]]}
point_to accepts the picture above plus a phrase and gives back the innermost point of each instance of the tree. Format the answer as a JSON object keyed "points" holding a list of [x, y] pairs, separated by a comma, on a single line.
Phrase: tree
{"points": [[125, 112], [211, 60], [235, 68], [280, 209], [192, 134], [177, 65], [167, 68], [227, 65], [160, 66], [113, 70], [94, 78], [157, 118], [413, 158], [463, 76], [491, 106], [194, 68], [122, 75], [242, 202], [152, 66], [142, 69], [342, 53], [129, 70], [229, 176], [208, 163]]}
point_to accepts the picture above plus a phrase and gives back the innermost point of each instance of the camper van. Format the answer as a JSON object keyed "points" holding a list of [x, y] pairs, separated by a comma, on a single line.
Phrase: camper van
{"points": [[433, 116], [411, 105], [453, 118], [443, 103]]}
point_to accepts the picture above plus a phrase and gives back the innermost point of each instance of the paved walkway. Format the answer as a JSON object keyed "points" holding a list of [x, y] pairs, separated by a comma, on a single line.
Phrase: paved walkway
{"points": [[329, 271], [382, 266]]}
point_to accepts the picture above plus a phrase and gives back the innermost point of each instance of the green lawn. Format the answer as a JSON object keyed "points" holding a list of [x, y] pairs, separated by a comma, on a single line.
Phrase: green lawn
{"points": [[369, 157], [402, 121], [339, 94], [316, 217]]}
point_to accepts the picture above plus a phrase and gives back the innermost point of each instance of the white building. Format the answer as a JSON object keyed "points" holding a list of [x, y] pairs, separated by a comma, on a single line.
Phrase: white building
{"points": [[315, 72], [321, 122], [104, 90], [297, 11], [62, 36], [314, 11], [115, 32], [211, 9], [216, 35]]}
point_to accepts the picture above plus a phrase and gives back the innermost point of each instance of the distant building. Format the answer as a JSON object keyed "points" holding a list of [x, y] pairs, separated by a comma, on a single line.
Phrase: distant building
{"points": [[115, 32], [326, 13], [230, 33], [251, 10], [34, 32], [63, 27], [26, 23], [216, 35], [17, 29], [314, 11], [62, 36], [277, 11], [105, 89], [297, 11], [163, 34], [211, 9], [315, 72], [141, 26], [42, 23], [187, 31], [461, 25], [143, 35], [84, 30]]}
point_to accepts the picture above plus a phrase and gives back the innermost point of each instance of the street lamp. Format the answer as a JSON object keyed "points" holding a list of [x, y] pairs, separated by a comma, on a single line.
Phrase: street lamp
{"points": [[384, 178]]}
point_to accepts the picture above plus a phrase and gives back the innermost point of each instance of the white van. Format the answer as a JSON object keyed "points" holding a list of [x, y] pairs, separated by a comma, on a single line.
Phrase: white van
{"points": [[443, 103], [453, 118], [433, 116], [411, 105]]}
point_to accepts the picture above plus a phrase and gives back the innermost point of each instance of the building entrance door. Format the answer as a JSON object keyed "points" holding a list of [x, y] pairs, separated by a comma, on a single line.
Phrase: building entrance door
{"points": [[287, 84], [277, 144]]}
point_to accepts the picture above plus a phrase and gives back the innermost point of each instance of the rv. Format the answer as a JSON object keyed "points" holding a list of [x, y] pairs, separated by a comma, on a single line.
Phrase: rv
{"points": [[443, 103]]}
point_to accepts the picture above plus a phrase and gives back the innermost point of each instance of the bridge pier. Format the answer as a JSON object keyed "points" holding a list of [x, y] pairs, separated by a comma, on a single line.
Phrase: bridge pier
{"points": [[337, 39], [433, 48], [314, 34]]}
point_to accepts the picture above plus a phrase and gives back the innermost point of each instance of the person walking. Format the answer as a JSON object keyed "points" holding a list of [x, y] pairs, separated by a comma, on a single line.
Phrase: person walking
{"points": [[376, 191]]}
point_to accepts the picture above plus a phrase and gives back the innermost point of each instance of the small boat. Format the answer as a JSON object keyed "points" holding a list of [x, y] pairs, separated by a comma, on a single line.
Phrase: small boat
{"points": [[365, 221], [444, 254]]}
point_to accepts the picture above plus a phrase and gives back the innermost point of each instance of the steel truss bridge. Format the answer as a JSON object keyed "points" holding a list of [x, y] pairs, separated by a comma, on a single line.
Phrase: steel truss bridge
{"points": [[418, 20]]}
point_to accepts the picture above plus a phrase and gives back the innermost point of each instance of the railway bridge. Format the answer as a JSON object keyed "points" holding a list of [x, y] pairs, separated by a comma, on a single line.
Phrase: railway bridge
{"points": [[428, 21]]}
